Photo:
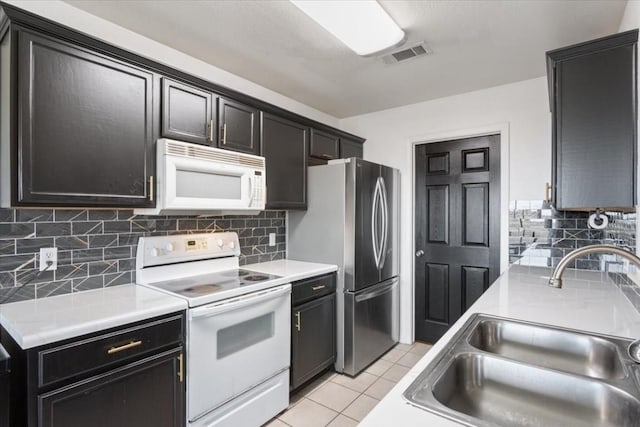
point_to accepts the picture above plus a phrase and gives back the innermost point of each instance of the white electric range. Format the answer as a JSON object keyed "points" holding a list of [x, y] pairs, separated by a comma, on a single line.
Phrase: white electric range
{"points": [[238, 327]]}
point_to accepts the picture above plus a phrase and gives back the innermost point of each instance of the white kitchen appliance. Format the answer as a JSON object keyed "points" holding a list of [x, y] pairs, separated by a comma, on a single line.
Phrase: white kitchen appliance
{"points": [[194, 179], [238, 327]]}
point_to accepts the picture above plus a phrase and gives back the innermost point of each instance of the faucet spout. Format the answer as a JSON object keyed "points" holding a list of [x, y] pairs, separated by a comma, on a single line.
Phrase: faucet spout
{"points": [[556, 277]]}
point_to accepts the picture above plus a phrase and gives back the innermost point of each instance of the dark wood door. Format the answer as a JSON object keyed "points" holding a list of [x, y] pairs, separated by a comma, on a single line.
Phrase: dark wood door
{"points": [[457, 229], [187, 113], [284, 146], [145, 393], [349, 148], [85, 127], [238, 127], [324, 146], [313, 338], [595, 124]]}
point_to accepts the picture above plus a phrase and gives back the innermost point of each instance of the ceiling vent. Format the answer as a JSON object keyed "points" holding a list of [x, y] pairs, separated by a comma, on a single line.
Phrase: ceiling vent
{"points": [[415, 51]]}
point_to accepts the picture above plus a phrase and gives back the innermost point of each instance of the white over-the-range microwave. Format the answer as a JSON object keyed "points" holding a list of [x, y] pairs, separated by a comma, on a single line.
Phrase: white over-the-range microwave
{"points": [[197, 180]]}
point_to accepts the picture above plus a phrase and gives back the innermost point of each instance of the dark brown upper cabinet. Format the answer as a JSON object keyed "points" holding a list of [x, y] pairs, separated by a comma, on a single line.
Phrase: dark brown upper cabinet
{"points": [[350, 148], [284, 146], [238, 127], [324, 145], [85, 124], [592, 89], [187, 113]]}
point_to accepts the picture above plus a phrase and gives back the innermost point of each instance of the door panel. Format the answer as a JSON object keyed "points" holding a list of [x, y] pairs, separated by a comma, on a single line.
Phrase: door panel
{"points": [[475, 280], [366, 271], [457, 229], [187, 113], [437, 291]]}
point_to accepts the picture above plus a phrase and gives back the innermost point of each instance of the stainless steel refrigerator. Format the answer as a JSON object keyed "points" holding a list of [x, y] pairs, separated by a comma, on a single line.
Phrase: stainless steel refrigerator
{"points": [[352, 221]]}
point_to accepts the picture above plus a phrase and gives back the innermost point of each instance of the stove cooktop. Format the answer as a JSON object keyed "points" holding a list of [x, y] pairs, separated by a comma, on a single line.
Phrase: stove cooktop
{"points": [[204, 285]]}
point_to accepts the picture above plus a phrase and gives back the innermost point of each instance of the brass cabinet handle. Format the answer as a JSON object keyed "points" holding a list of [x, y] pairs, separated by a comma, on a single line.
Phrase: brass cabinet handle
{"points": [[547, 192], [315, 288], [327, 156], [151, 188], [118, 349], [224, 134], [180, 366], [298, 321]]}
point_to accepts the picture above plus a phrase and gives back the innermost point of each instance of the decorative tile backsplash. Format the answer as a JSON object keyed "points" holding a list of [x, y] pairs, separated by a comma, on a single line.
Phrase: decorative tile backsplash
{"points": [[97, 248], [541, 236]]}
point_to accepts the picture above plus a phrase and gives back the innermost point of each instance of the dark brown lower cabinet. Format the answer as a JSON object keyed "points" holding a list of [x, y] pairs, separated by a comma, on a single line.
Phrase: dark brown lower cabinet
{"points": [[146, 393], [312, 339], [128, 376]]}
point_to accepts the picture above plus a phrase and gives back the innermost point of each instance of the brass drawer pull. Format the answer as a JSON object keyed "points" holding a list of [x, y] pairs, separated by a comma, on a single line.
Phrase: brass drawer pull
{"points": [[180, 368], [132, 344], [298, 321], [315, 288]]}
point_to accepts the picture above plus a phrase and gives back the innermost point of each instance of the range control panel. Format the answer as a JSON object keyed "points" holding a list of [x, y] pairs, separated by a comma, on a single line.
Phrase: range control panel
{"points": [[160, 250]]}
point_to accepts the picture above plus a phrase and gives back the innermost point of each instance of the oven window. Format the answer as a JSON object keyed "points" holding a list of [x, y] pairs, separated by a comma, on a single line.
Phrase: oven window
{"points": [[242, 335], [207, 185]]}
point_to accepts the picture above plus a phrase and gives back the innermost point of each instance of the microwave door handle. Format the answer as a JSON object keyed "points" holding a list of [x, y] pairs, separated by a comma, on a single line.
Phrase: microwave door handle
{"points": [[239, 302]]}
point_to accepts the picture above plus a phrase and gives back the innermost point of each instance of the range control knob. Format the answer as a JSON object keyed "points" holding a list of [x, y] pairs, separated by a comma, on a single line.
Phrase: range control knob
{"points": [[154, 251], [220, 243], [169, 247], [232, 244]]}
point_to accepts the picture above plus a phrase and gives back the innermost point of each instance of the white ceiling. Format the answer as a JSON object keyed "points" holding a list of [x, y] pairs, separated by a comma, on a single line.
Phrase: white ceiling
{"points": [[476, 44]]}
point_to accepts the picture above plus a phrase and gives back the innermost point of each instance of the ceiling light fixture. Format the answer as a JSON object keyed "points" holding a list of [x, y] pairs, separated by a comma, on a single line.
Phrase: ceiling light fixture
{"points": [[363, 25]]}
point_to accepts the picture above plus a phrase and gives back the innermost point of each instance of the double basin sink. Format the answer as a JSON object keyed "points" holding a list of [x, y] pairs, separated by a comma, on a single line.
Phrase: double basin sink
{"points": [[504, 372]]}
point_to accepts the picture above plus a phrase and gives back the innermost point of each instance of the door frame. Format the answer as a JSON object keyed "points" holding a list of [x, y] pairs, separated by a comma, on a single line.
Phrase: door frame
{"points": [[501, 129]]}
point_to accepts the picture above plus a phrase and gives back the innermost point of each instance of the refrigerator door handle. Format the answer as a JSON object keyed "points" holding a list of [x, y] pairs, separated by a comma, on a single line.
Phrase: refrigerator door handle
{"points": [[374, 229], [385, 223], [383, 288]]}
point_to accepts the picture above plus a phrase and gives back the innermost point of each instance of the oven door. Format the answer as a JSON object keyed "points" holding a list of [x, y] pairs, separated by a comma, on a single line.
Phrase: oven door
{"points": [[199, 184], [234, 345]]}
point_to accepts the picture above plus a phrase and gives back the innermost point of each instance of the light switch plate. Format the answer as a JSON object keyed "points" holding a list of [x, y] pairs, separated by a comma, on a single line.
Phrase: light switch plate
{"points": [[272, 239]]}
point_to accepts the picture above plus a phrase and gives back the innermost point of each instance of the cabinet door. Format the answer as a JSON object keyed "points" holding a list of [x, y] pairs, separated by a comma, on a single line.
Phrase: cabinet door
{"points": [[145, 393], [187, 113], [284, 146], [312, 339], [238, 127], [595, 129], [349, 148], [86, 127], [324, 145]]}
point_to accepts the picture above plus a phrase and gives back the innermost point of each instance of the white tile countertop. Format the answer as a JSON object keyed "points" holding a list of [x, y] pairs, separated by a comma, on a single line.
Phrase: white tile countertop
{"points": [[290, 269], [42, 321], [587, 301]]}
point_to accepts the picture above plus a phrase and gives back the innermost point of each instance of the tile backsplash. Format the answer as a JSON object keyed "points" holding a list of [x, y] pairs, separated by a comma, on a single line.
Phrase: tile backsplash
{"points": [[541, 236], [97, 248]]}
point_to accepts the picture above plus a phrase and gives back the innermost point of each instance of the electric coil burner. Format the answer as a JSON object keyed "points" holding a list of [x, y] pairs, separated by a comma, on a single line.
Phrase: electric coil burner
{"points": [[238, 327]]}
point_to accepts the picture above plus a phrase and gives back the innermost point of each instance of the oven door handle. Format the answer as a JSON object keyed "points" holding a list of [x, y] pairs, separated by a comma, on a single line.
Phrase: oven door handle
{"points": [[239, 302]]}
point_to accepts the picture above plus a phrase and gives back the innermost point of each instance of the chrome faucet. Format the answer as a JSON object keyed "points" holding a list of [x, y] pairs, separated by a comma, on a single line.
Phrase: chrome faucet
{"points": [[556, 277]]}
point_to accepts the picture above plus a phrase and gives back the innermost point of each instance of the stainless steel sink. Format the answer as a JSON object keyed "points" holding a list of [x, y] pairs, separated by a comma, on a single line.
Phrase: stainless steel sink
{"points": [[555, 348], [504, 372]]}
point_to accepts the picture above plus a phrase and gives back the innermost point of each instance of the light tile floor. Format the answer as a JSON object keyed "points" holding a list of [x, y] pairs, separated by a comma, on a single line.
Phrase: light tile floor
{"points": [[337, 400]]}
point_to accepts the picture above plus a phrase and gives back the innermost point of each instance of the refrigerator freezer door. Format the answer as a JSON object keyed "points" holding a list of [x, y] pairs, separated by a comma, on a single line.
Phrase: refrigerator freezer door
{"points": [[371, 325]]}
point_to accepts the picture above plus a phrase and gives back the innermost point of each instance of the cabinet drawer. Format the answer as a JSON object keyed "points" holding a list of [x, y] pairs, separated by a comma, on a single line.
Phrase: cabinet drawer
{"points": [[93, 354], [305, 290]]}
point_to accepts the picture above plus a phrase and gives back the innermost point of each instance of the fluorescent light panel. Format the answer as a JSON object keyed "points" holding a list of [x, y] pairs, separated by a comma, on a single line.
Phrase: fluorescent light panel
{"points": [[363, 25]]}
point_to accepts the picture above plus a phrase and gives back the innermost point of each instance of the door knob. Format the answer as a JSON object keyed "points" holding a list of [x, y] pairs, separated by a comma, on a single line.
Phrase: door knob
{"points": [[419, 253]]}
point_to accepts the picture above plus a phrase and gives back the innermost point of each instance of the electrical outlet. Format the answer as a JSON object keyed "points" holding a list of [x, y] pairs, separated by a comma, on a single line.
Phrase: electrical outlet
{"points": [[272, 239], [48, 255]]}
